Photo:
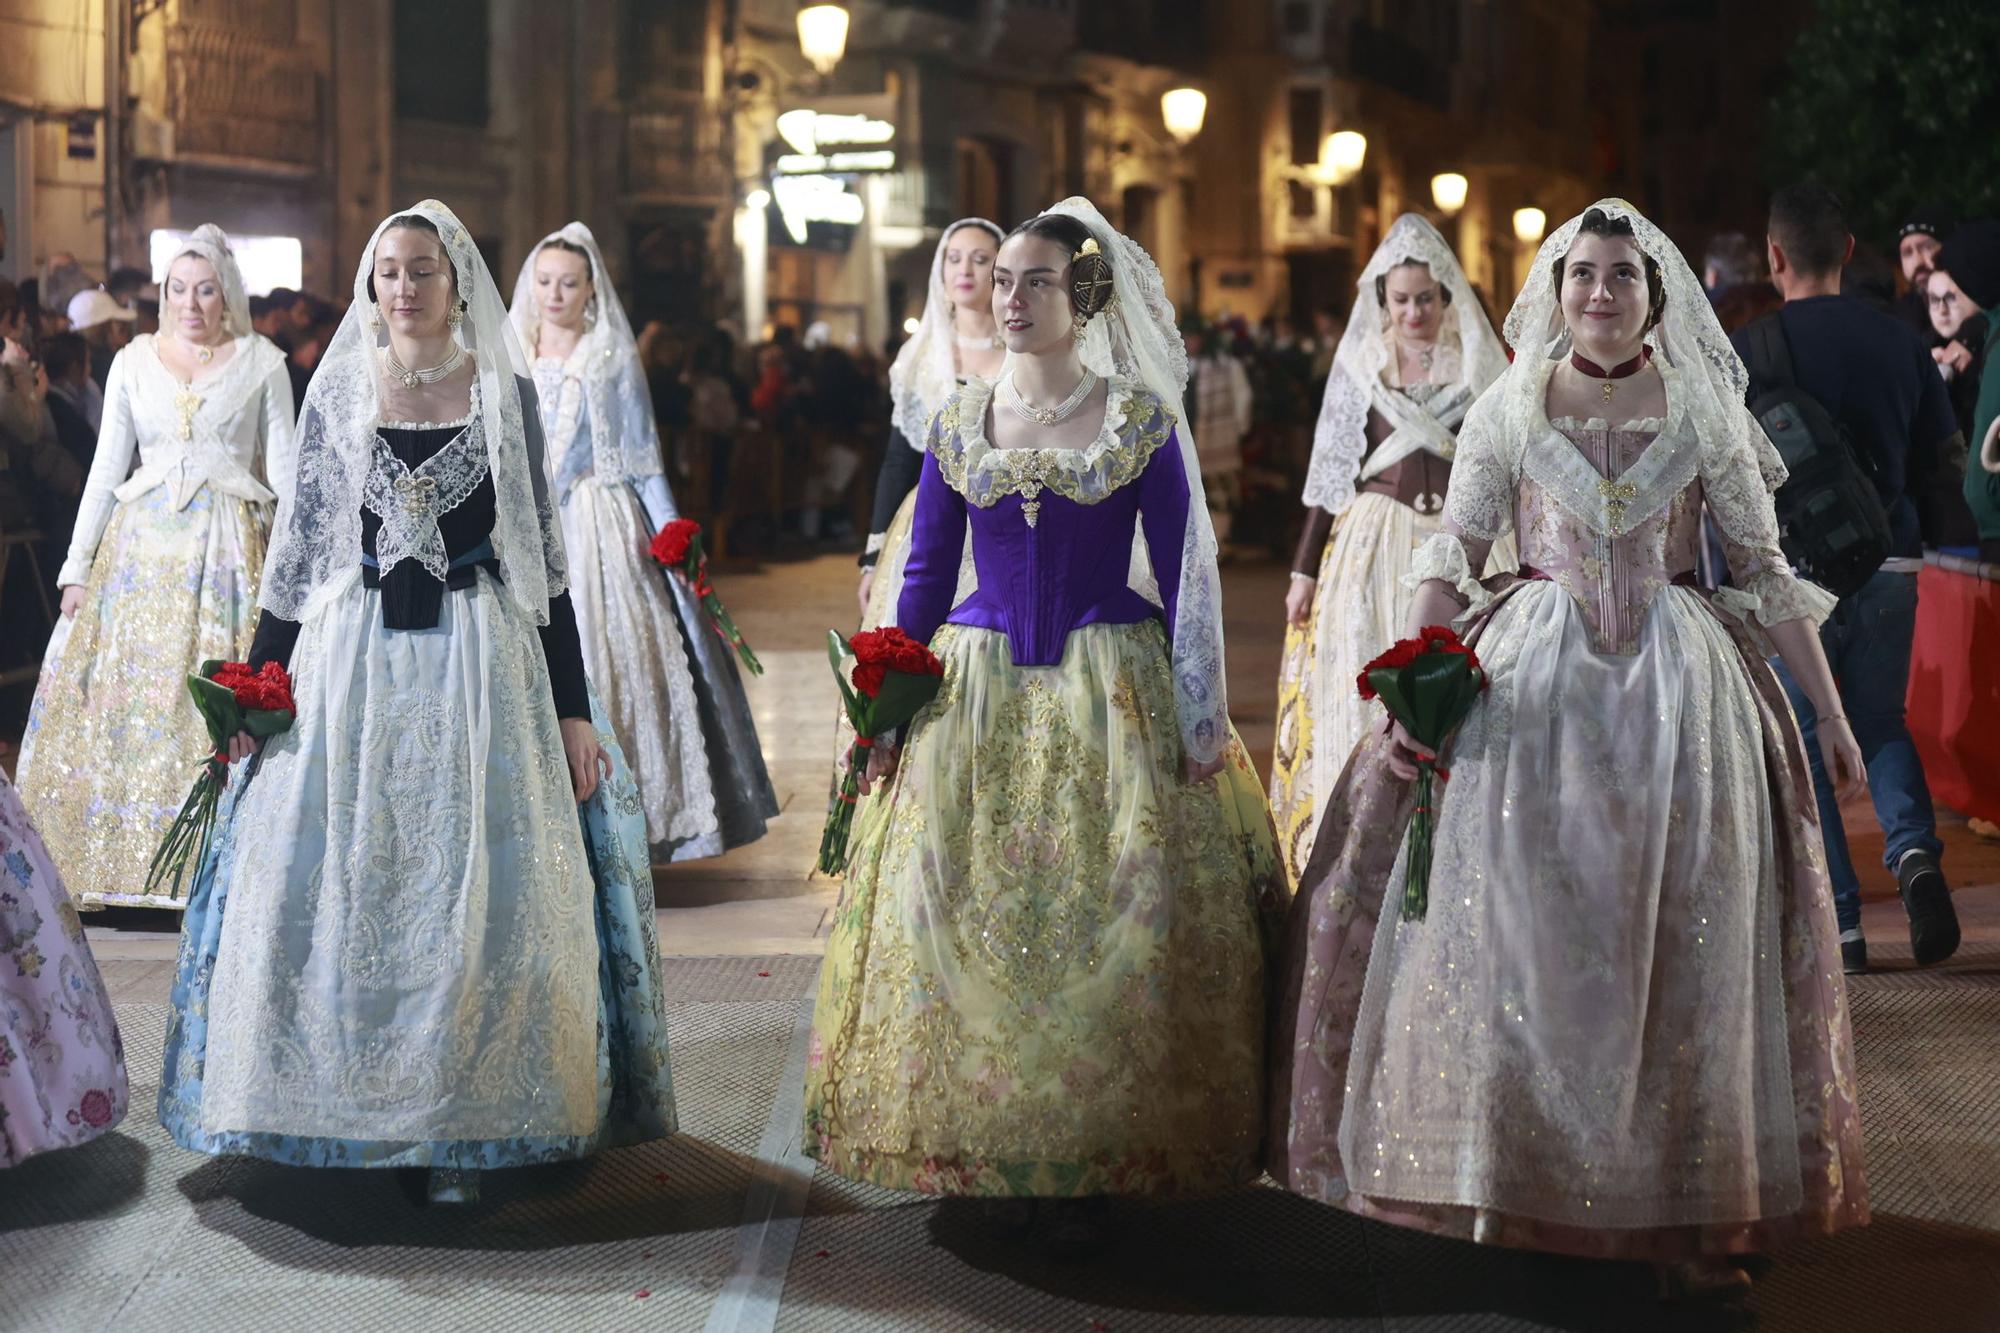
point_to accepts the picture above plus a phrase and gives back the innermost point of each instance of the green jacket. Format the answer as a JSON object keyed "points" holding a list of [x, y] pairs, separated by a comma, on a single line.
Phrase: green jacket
{"points": [[1982, 488]]}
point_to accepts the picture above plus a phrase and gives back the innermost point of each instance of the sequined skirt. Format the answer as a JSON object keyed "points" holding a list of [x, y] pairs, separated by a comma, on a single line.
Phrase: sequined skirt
{"points": [[1045, 974], [113, 737]]}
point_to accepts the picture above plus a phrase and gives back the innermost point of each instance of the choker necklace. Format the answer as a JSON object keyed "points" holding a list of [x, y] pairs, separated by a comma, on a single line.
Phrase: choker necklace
{"points": [[410, 379], [203, 353], [1050, 416], [976, 344], [1584, 365]]}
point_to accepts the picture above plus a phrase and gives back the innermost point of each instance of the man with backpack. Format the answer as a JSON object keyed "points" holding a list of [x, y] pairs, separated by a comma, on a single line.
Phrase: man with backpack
{"points": [[1856, 406]]}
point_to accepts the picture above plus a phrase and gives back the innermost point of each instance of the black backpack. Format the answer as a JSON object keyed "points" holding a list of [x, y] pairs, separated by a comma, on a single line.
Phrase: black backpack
{"points": [[1831, 519]]}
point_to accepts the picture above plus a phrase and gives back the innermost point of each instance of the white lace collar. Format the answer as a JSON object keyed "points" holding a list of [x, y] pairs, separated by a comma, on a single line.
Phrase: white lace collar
{"points": [[1136, 423], [1612, 506]]}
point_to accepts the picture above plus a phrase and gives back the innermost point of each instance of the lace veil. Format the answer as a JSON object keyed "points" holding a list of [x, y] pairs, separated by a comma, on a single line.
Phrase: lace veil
{"points": [[1709, 380], [624, 440], [925, 370], [1136, 336], [208, 242], [1340, 437], [316, 540]]}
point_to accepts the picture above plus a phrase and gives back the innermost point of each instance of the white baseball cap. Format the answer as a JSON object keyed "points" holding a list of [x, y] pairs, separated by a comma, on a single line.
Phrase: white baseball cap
{"points": [[94, 307]]}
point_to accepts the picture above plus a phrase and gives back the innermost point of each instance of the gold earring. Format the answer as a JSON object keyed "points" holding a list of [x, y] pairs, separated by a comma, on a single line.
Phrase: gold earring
{"points": [[1078, 323], [374, 317], [456, 317]]}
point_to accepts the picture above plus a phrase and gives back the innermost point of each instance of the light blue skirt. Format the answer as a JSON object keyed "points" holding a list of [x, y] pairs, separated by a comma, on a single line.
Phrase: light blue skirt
{"points": [[296, 936]]}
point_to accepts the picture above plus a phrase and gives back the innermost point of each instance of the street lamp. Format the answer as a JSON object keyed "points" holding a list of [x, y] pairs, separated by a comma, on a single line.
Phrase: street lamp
{"points": [[823, 35], [1448, 191], [1529, 223], [1184, 109], [1341, 156]]}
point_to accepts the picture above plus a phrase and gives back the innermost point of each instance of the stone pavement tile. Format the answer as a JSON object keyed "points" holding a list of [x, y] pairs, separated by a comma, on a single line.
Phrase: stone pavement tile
{"points": [[32, 1302], [559, 1246], [436, 1305], [1242, 1261], [106, 1208]]}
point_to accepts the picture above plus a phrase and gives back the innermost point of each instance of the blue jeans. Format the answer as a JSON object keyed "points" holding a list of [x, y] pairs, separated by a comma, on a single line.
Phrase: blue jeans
{"points": [[1867, 642]]}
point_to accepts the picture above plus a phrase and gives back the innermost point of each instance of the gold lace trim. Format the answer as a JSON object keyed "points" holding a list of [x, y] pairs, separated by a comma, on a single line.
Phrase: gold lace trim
{"points": [[1136, 423]]}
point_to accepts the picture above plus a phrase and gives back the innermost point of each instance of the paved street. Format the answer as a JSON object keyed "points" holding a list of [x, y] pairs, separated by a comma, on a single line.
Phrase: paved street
{"points": [[726, 1227]]}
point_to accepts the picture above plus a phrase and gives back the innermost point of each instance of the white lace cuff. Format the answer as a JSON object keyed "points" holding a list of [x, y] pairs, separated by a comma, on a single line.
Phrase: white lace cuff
{"points": [[1775, 596], [876, 541], [1443, 557]]}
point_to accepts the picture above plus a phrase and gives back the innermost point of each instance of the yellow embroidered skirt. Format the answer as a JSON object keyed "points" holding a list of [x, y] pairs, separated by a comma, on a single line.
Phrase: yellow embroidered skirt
{"points": [[113, 737], [1046, 971]]}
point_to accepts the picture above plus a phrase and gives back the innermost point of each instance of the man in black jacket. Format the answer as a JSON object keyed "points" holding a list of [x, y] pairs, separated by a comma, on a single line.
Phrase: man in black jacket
{"points": [[1875, 377]]}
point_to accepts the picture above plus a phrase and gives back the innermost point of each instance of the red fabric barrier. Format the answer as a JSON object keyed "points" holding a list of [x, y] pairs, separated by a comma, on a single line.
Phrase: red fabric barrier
{"points": [[1954, 701]]}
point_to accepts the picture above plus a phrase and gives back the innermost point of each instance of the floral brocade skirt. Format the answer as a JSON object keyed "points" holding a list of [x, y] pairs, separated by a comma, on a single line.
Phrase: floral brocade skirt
{"points": [[113, 738], [1046, 972], [62, 1071]]}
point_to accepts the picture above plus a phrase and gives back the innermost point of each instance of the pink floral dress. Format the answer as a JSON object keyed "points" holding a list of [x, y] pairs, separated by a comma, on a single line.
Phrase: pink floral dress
{"points": [[1621, 1030], [62, 1070]]}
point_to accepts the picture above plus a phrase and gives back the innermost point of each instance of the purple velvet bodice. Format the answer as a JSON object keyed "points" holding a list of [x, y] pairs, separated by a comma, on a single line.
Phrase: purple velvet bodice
{"points": [[1052, 529]]}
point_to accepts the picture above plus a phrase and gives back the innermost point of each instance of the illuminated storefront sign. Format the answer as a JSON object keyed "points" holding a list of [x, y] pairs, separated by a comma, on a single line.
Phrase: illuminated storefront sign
{"points": [[819, 151], [853, 162], [807, 199]]}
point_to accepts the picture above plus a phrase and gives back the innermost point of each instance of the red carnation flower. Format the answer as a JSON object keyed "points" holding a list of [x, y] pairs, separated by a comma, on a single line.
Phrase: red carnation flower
{"points": [[868, 677], [670, 546]]}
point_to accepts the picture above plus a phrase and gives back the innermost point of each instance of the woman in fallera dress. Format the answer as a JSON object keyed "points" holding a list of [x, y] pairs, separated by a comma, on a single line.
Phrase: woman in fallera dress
{"points": [[1621, 1028], [161, 576], [1045, 975], [1416, 353], [668, 683], [956, 337], [405, 948]]}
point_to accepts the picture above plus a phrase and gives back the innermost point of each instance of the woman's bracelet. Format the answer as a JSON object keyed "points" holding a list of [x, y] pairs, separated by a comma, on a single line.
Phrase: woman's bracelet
{"points": [[1299, 576], [1830, 717]]}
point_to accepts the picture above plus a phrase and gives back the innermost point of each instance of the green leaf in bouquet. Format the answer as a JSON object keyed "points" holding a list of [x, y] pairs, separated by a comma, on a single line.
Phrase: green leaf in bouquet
{"points": [[266, 722], [217, 705], [902, 696]]}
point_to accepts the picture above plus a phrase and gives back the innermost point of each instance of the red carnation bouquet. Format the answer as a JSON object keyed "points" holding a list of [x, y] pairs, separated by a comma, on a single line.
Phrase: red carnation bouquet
{"points": [[678, 547], [231, 698], [894, 677], [1428, 684]]}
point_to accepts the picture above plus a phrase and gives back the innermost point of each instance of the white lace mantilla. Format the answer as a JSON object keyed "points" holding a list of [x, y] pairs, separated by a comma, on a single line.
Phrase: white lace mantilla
{"points": [[409, 500]]}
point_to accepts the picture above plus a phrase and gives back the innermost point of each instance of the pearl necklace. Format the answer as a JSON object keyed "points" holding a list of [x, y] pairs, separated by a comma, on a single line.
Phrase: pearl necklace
{"points": [[1050, 416], [410, 379], [977, 344]]}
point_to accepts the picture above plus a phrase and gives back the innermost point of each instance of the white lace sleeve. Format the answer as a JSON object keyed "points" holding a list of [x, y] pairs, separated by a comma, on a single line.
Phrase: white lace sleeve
{"points": [[1444, 559], [1480, 501], [1739, 474]]}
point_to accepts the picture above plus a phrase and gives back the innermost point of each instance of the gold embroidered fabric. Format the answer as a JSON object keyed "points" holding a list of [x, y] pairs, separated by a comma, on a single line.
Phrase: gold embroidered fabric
{"points": [[1045, 974]]}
